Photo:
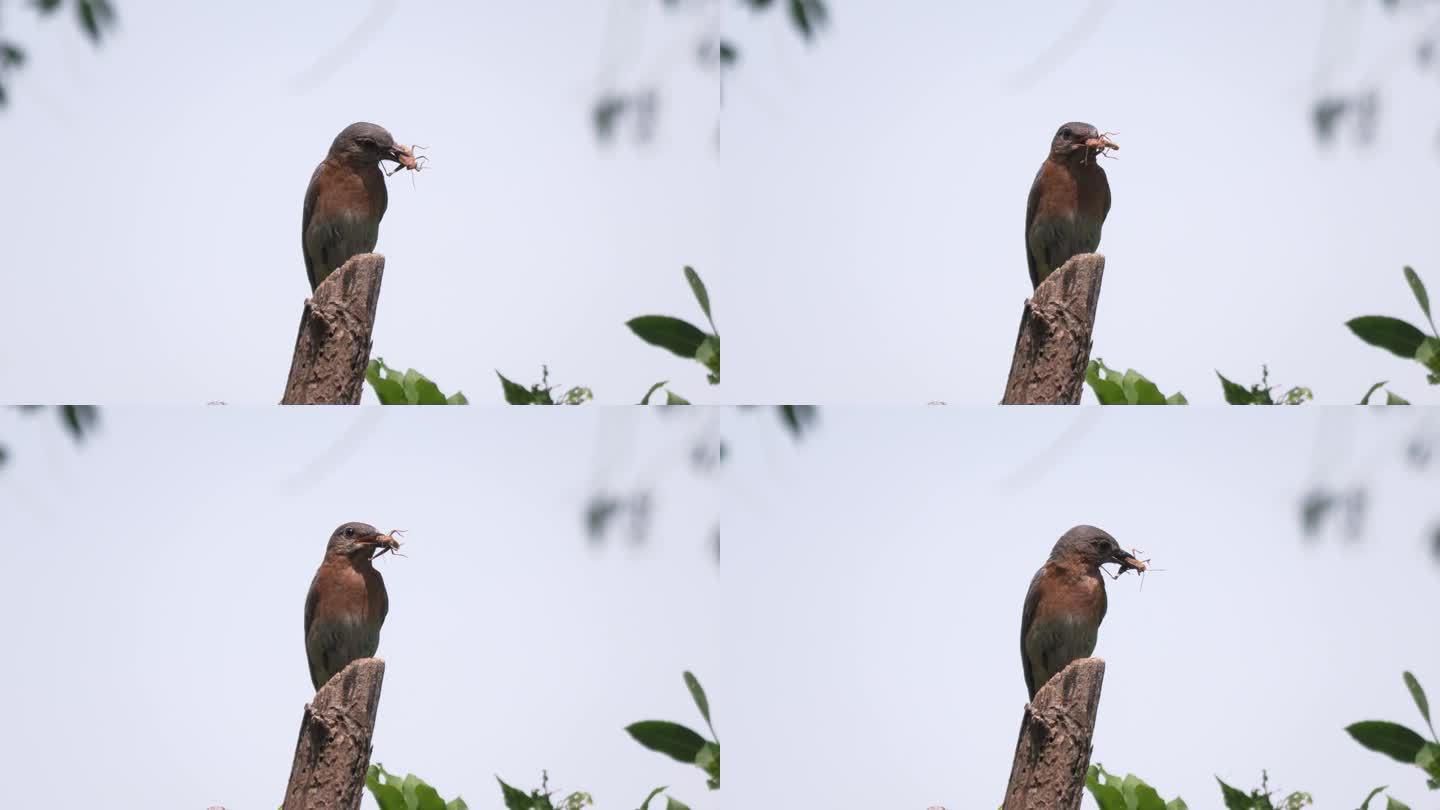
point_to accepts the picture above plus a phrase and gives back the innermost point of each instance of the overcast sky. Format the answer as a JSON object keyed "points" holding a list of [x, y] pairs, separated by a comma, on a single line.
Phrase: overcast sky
{"points": [[151, 218], [156, 579], [876, 185], [885, 562]]}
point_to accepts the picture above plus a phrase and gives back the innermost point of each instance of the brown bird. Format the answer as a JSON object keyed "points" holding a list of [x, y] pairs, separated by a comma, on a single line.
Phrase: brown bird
{"points": [[1069, 200], [1066, 603], [347, 198], [347, 603]]}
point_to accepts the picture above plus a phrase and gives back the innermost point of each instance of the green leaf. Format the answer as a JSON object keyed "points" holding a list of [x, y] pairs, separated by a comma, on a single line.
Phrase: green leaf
{"points": [[1177, 804], [708, 355], [679, 337], [515, 393], [1146, 798], [702, 703], [382, 381], [1365, 805], [645, 805], [1395, 399], [1429, 759], [1108, 797], [1391, 334], [388, 797], [708, 760], [515, 799], [1107, 392], [1418, 694], [1177, 398], [675, 399], [427, 798], [1392, 803], [698, 287], [1235, 799], [671, 739], [457, 803], [1140, 391], [1391, 739], [1418, 287], [645, 400], [671, 803], [1428, 355], [1235, 394], [457, 398], [1365, 400], [419, 390]]}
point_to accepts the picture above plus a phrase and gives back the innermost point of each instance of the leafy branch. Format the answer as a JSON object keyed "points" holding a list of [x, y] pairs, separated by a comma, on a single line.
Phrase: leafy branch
{"points": [[1402, 338], [682, 744], [682, 338]]}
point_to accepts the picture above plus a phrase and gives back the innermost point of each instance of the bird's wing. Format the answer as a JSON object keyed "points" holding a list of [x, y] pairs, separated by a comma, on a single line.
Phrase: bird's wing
{"points": [[310, 600], [310, 194], [1105, 187], [1032, 598], [1030, 206]]}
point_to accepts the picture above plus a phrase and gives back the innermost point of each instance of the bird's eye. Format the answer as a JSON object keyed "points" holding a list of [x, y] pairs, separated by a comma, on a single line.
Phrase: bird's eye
{"points": [[349, 532], [368, 143], [1065, 132]]}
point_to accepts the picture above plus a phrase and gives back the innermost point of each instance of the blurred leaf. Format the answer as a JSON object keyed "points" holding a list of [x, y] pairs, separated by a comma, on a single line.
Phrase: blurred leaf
{"points": [[697, 692], [798, 418], [1391, 739], [1235, 394], [1395, 399], [1391, 334], [11, 55], [672, 398], [671, 739], [807, 16], [701, 295], [645, 400], [79, 419], [1235, 799], [1418, 694], [671, 803], [515, 799], [1418, 287], [515, 394], [645, 805], [1392, 803], [1365, 400], [1365, 805], [679, 337], [95, 15]]}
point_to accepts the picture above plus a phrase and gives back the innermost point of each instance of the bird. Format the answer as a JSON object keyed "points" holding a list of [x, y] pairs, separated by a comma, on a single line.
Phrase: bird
{"points": [[1069, 200], [347, 602], [346, 198], [1066, 603]]}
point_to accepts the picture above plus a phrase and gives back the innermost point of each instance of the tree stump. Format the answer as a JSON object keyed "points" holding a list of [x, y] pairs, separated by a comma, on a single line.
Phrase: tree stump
{"points": [[1056, 325], [333, 347], [333, 751], [1053, 752]]}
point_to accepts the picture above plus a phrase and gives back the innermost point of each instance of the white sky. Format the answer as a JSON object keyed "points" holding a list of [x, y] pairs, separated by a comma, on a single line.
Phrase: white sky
{"points": [[876, 183], [152, 235], [157, 576], [885, 561]]}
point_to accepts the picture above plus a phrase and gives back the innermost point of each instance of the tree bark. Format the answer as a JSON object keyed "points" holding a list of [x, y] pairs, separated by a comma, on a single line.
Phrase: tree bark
{"points": [[1056, 325], [333, 347], [333, 751], [1053, 752]]}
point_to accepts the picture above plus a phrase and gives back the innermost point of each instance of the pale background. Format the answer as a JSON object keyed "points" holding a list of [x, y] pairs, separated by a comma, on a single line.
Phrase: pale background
{"points": [[875, 187], [150, 213], [156, 579], [875, 643]]}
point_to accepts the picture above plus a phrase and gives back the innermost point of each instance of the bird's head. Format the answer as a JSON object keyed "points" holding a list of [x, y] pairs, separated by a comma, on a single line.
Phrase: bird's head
{"points": [[1078, 140], [1092, 547], [354, 540], [365, 144]]}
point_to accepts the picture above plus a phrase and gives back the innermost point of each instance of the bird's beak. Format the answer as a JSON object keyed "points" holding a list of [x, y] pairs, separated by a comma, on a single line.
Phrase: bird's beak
{"points": [[1101, 142], [1126, 561], [402, 155]]}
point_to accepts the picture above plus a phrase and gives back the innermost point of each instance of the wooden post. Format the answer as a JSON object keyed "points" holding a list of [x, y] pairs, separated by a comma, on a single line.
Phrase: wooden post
{"points": [[1056, 325], [1053, 752], [333, 347], [333, 751]]}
